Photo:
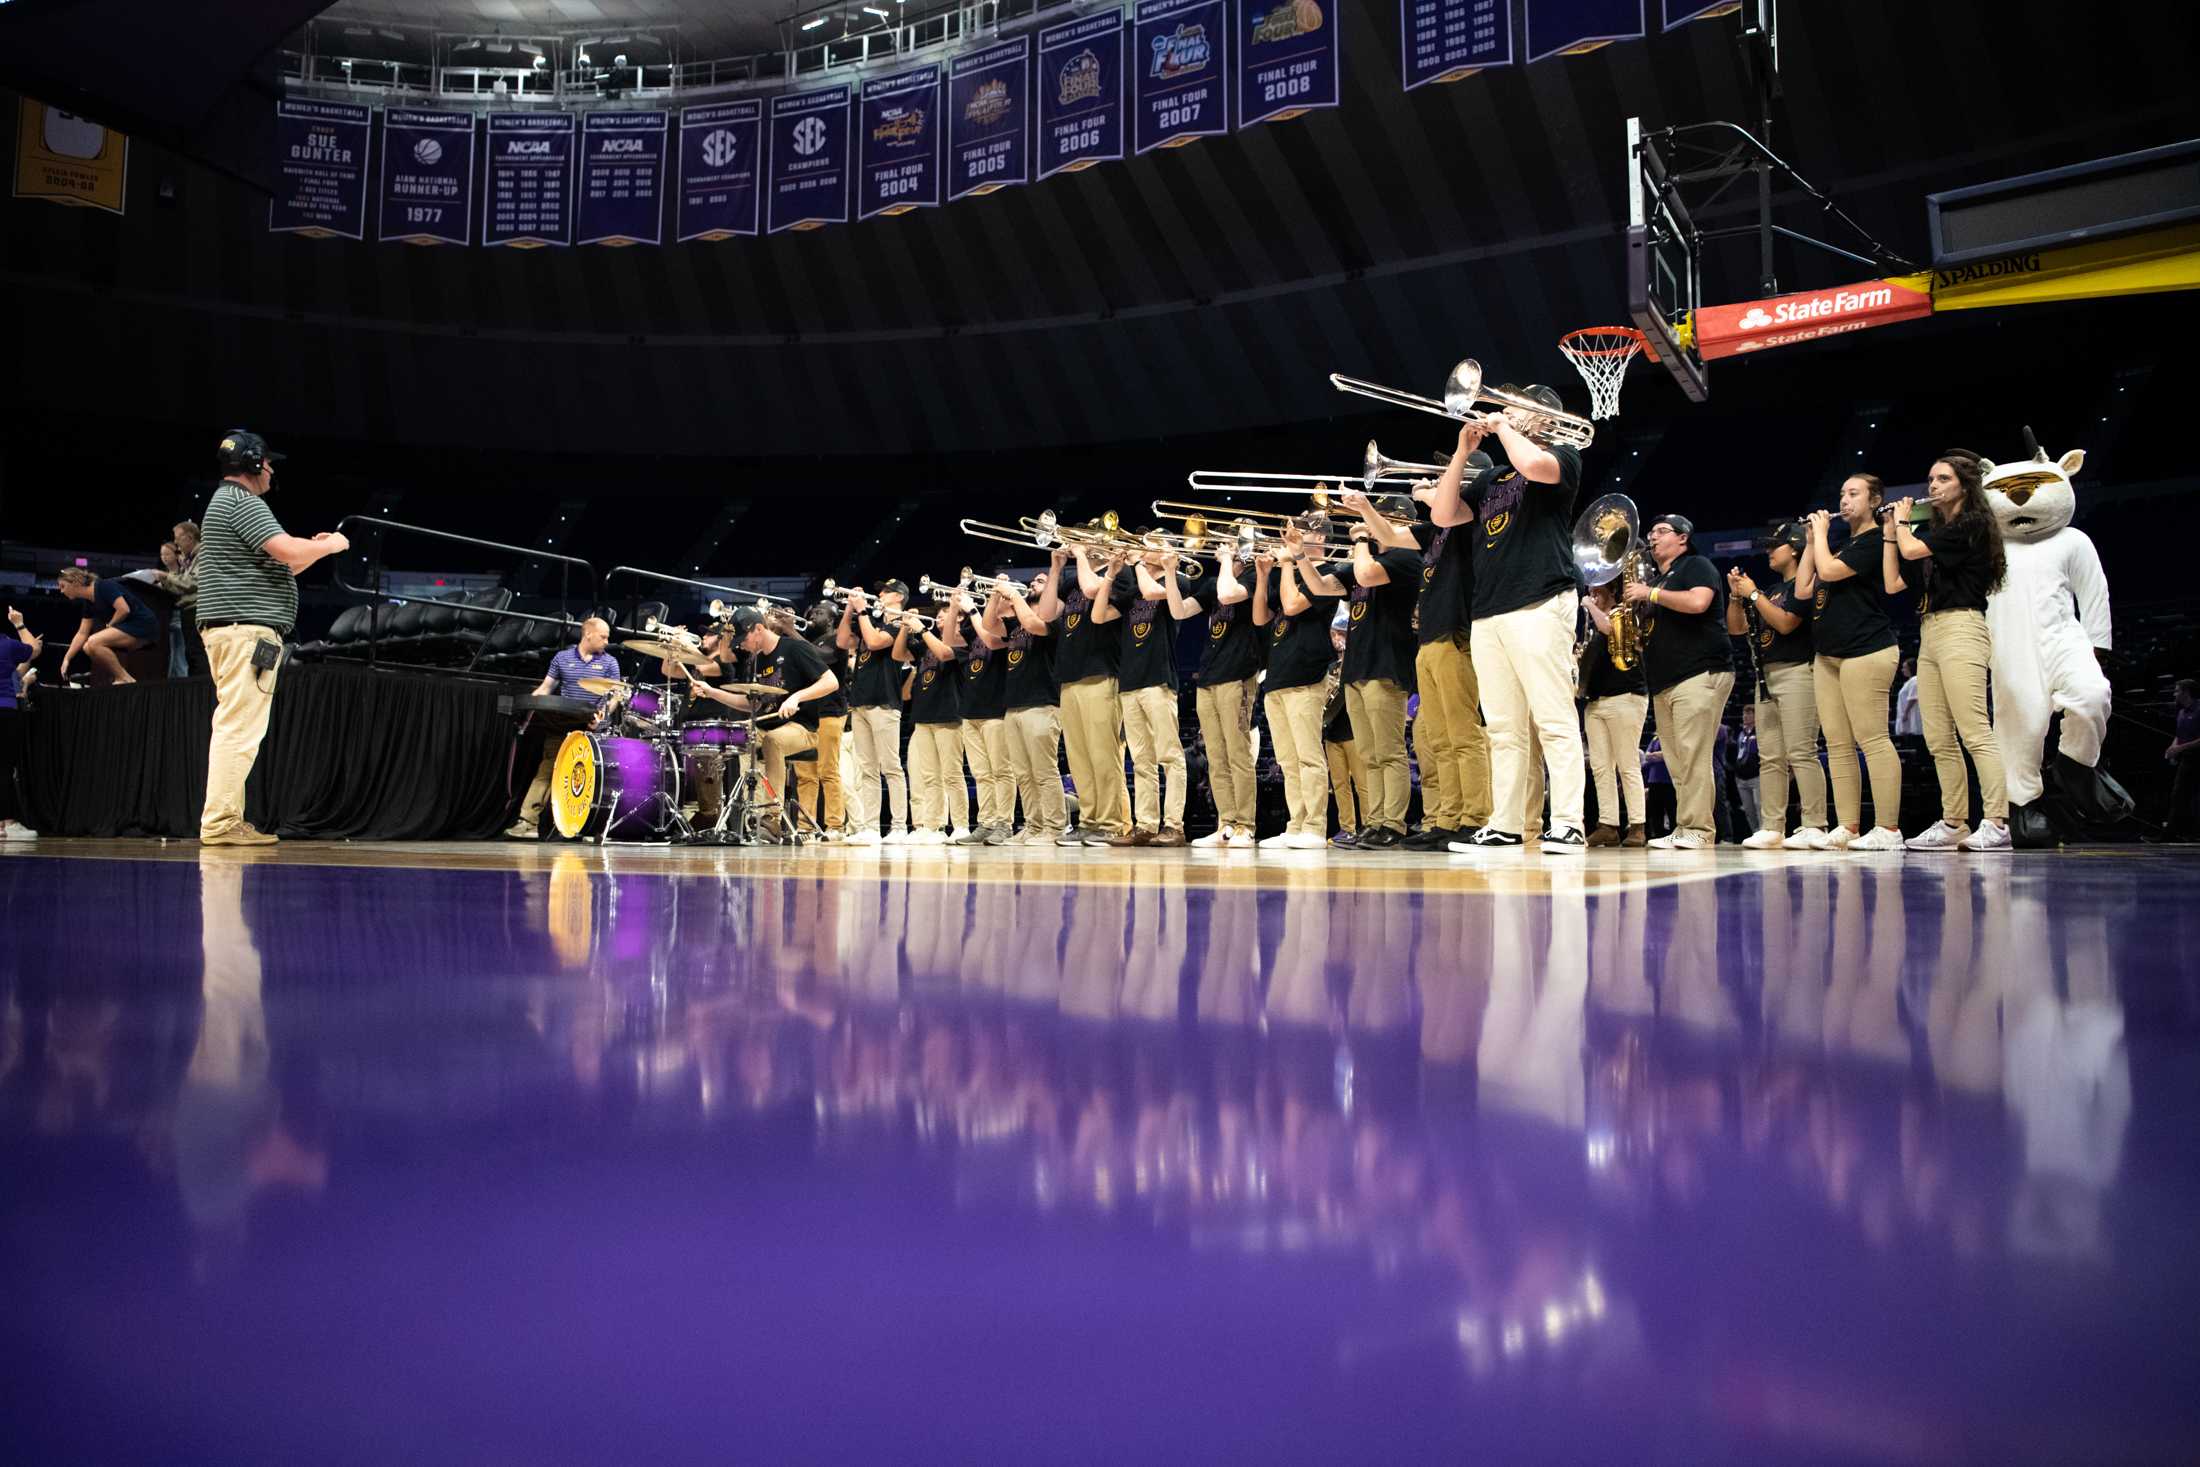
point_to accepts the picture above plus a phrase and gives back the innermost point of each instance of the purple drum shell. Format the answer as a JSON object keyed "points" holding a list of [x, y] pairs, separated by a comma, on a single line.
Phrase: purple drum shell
{"points": [[647, 702], [727, 735], [632, 770]]}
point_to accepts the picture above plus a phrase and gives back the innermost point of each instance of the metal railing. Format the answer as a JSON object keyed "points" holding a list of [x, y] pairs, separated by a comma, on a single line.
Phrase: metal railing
{"points": [[379, 595], [639, 573]]}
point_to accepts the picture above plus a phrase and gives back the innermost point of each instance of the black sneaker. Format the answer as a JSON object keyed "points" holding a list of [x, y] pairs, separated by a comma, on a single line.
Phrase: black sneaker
{"points": [[1488, 838], [1345, 840], [1379, 839], [1563, 840], [1429, 838]]}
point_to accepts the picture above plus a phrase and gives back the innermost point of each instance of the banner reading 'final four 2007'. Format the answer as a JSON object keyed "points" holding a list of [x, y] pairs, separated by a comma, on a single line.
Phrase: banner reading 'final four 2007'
{"points": [[1180, 65]]}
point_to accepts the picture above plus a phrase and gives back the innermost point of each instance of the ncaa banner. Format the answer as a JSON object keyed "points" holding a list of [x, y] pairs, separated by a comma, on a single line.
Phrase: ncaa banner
{"points": [[622, 189], [1287, 59], [529, 199], [806, 177], [427, 177], [1080, 88], [898, 143], [721, 170], [1179, 51], [1444, 40], [1571, 27], [1678, 13], [988, 119], [321, 161]]}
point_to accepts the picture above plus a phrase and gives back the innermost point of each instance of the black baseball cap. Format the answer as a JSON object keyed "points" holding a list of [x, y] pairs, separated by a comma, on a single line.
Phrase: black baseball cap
{"points": [[891, 586], [1396, 505], [1789, 533], [244, 451], [745, 619], [1679, 524]]}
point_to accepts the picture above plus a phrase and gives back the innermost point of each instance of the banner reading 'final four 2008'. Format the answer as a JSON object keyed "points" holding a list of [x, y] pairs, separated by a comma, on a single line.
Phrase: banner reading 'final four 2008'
{"points": [[1287, 58]]}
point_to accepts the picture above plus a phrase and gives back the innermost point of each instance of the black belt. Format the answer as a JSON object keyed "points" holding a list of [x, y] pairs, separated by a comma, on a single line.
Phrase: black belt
{"points": [[239, 621]]}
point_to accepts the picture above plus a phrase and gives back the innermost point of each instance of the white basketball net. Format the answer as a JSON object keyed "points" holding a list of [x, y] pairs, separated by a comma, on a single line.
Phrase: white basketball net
{"points": [[1601, 355]]}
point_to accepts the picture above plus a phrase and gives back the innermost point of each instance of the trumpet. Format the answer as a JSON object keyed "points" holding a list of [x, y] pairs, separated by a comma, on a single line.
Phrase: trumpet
{"points": [[1375, 468], [944, 593], [1464, 392], [1191, 544]]}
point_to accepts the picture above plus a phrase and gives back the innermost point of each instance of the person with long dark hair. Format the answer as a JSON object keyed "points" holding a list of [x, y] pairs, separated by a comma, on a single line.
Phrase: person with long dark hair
{"points": [[1955, 561], [1854, 666]]}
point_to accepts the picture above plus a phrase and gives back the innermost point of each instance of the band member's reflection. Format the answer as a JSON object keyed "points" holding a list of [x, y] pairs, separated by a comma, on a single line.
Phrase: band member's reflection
{"points": [[1228, 1003], [1530, 1058], [1796, 918], [1695, 975], [1864, 969], [232, 1138]]}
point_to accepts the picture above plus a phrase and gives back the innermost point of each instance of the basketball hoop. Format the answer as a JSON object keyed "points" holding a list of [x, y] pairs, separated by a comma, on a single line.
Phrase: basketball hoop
{"points": [[1601, 355]]}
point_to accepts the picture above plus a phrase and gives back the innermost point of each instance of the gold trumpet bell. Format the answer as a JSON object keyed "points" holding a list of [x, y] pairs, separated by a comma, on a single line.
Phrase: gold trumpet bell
{"points": [[1195, 527]]}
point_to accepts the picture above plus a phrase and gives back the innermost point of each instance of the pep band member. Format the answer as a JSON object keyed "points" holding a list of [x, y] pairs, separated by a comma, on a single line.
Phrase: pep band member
{"points": [[1854, 667], [1229, 664], [1379, 660], [791, 664], [1296, 619], [818, 787], [1614, 706], [938, 795], [1087, 658], [874, 710], [1787, 702], [1013, 628], [1688, 666], [1146, 689], [984, 676], [588, 658], [1956, 562]]}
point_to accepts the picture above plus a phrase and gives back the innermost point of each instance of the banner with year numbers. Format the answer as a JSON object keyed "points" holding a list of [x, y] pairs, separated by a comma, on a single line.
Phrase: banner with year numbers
{"points": [[1287, 58], [1180, 56], [1444, 40], [989, 119], [721, 170], [806, 176], [527, 202], [321, 168], [1080, 89], [1570, 27], [427, 192], [622, 187], [898, 143]]}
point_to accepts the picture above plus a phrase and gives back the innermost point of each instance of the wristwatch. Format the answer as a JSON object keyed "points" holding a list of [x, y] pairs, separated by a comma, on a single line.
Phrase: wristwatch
{"points": [[1753, 597]]}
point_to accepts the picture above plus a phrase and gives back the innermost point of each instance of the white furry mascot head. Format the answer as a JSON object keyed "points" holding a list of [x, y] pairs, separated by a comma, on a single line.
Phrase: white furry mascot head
{"points": [[2033, 498]]}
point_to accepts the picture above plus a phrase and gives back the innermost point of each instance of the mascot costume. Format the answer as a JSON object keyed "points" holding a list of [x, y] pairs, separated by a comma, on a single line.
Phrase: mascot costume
{"points": [[2047, 621]]}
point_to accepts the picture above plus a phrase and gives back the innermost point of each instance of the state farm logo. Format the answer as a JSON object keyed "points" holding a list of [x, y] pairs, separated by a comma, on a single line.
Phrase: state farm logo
{"points": [[809, 136], [1754, 319], [1802, 308]]}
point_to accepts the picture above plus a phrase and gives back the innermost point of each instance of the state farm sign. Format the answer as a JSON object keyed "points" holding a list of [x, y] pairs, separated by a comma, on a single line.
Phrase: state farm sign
{"points": [[1783, 320]]}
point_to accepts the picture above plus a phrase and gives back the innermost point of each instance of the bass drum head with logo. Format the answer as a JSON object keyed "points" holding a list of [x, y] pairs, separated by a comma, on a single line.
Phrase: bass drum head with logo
{"points": [[604, 785]]}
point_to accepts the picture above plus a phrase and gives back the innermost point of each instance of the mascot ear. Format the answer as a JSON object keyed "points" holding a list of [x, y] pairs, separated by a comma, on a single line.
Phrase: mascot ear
{"points": [[2073, 461], [1985, 467]]}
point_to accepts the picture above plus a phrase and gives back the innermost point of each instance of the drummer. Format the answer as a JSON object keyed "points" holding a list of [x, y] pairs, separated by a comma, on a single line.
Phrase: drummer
{"points": [[800, 680], [590, 660]]}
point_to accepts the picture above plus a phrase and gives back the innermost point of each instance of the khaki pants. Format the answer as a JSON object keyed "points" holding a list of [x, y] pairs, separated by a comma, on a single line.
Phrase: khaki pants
{"points": [[773, 749], [823, 775], [1092, 735], [1524, 661], [1449, 738], [1295, 731], [1954, 650], [1347, 774], [878, 755], [1852, 705], [1157, 757], [1688, 730], [538, 788], [938, 795], [243, 698], [985, 746], [1615, 755], [1229, 751], [1377, 708], [1787, 746], [1035, 754]]}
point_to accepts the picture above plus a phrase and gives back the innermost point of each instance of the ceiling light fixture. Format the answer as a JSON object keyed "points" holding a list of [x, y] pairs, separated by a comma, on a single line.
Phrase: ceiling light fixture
{"points": [[813, 24]]}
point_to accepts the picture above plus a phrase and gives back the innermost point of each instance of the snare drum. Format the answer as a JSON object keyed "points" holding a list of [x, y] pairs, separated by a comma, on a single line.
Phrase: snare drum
{"points": [[614, 788], [707, 734]]}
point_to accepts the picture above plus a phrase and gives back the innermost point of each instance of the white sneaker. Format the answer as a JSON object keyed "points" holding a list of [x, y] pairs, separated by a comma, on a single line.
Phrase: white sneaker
{"points": [[1878, 838], [863, 838], [924, 838], [1988, 837], [896, 837], [1680, 840], [1305, 840], [1243, 836], [1838, 839], [1278, 842], [1806, 838], [1939, 836], [959, 834], [1765, 840], [1219, 837], [16, 830]]}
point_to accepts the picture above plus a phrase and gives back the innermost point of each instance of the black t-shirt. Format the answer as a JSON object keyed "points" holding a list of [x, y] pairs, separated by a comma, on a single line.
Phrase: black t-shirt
{"points": [[835, 706], [1774, 648], [936, 695], [1298, 646], [1337, 721], [984, 680], [1085, 648], [876, 680], [793, 665], [1599, 679], [1446, 580], [1956, 576], [1849, 618], [1031, 680], [1681, 645], [1148, 657], [1234, 647], [1379, 638], [1524, 553]]}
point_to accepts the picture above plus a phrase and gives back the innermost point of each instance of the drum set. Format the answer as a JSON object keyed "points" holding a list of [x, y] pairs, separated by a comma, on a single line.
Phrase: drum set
{"points": [[624, 777]]}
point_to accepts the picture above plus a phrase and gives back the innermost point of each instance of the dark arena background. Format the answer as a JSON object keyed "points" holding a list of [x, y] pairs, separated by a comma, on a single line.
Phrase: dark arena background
{"points": [[599, 981]]}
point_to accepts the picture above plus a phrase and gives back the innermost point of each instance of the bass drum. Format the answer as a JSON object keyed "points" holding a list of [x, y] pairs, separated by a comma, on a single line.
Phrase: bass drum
{"points": [[609, 788]]}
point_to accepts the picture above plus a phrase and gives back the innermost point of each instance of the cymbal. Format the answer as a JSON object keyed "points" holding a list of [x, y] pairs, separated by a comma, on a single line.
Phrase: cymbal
{"points": [[753, 690], [669, 651], [602, 687]]}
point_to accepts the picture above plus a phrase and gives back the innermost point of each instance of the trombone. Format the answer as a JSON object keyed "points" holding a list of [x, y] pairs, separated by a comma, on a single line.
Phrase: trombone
{"points": [[1464, 391], [1047, 531], [1375, 467], [1251, 531]]}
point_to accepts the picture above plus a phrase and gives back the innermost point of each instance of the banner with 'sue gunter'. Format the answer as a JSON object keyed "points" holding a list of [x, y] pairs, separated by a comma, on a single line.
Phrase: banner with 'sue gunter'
{"points": [[320, 168], [1080, 86], [721, 170], [1180, 59]]}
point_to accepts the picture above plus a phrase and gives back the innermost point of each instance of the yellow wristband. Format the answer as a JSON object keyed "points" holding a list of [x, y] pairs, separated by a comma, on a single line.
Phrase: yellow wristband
{"points": [[1653, 595]]}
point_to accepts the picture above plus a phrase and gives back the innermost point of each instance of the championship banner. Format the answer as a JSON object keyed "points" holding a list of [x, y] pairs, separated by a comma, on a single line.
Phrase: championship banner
{"points": [[1784, 320], [2137, 264], [1179, 53], [1571, 27], [622, 188], [806, 179], [529, 199], [1678, 13], [1287, 64], [898, 143], [1444, 40], [989, 119], [427, 177], [1080, 87], [721, 170], [321, 160], [67, 159]]}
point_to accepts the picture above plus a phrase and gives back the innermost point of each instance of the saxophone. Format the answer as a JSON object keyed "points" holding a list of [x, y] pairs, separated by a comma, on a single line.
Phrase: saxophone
{"points": [[1630, 623]]}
